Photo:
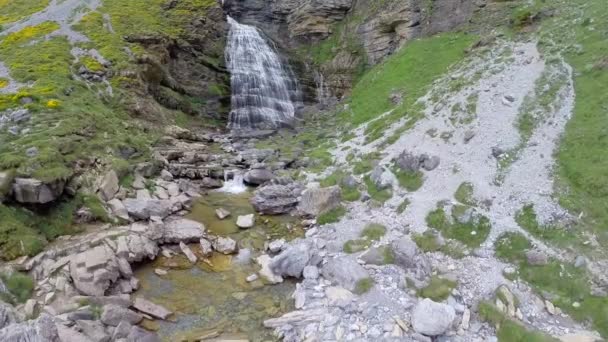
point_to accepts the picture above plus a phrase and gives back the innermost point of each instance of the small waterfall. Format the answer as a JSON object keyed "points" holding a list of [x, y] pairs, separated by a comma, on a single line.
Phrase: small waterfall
{"points": [[263, 89], [233, 182]]}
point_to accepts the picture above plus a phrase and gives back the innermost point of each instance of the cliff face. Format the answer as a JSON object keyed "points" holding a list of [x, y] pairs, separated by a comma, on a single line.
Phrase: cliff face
{"points": [[340, 38]]}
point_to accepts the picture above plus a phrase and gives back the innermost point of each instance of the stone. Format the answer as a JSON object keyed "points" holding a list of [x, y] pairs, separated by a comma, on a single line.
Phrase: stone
{"points": [[68, 334], [143, 209], [276, 245], [173, 189], [265, 271], [258, 176], [468, 136], [291, 261], [245, 221], [275, 199], [166, 175], [8, 315], [377, 255], [206, 247], [536, 258], [222, 213], [160, 272], [224, 245], [344, 271], [251, 278], [109, 185], [118, 209], [431, 318], [182, 230], [430, 163], [311, 272], [94, 270], [507, 299], [316, 201], [113, 314], [122, 330], [405, 250], [408, 162], [143, 194], [139, 182], [497, 152], [94, 330], [138, 334], [151, 309], [31, 152], [381, 178], [188, 252], [29, 190], [338, 296]]}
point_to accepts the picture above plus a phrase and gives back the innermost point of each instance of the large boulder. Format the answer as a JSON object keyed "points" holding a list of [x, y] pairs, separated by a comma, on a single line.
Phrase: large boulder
{"points": [[291, 261], [345, 272], [432, 319], [258, 176], [29, 190], [275, 199], [408, 162], [94, 270], [143, 209], [316, 201], [109, 186], [183, 230]]}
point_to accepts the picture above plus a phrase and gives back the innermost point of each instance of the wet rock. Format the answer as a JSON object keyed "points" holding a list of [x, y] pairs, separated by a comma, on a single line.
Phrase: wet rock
{"points": [[151, 309], [29, 190], [316, 201], [258, 176], [266, 272], [275, 199], [431, 318], [188, 252], [143, 209], [113, 314], [206, 247], [109, 185], [182, 230], [245, 221], [222, 213], [224, 245], [344, 272], [291, 261]]}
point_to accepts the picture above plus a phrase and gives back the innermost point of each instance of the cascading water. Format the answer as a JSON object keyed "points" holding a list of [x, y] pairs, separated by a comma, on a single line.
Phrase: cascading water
{"points": [[264, 91], [234, 185]]}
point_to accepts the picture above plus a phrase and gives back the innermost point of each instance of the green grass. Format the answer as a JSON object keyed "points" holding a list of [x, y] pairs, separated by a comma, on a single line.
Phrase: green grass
{"points": [[526, 218], [14, 10], [438, 289], [509, 330], [410, 71], [331, 216], [401, 208], [373, 231], [411, 181], [380, 195], [428, 242], [512, 247], [464, 194], [355, 246], [349, 193], [19, 285], [472, 234], [370, 233], [363, 286]]}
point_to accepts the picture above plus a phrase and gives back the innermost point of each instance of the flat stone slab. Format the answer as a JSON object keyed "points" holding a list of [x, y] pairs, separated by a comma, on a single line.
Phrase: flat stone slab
{"points": [[151, 309]]}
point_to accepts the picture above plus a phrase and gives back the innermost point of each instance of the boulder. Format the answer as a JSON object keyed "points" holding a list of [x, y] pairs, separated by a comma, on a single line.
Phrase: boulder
{"points": [[143, 209], [431, 318], [118, 209], [138, 334], [381, 178], [430, 163], [41, 329], [29, 190], [245, 221], [181, 229], [7, 315], [151, 309], [275, 199], [93, 330], [222, 213], [291, 262], [408, 162], [113, 314], [109, 185], [405, 251], [94, 270], [316, 201], [345, 272], [224, 245], [258, 176], [378, 256]]}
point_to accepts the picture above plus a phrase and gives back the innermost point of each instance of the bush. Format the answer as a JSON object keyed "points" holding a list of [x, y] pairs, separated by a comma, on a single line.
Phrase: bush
{"points": [[19, 285]]}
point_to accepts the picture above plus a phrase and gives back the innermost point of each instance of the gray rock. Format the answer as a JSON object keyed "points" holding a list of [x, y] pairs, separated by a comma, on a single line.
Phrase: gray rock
{"points": [[112, 315], [432, 319], [276, 245], [68, 334], [311, 272], [206, 247], [40, 330], [291, 261], [94, 330], [430, 163], [275, 199], [349, 182], [378, 255], [222, 213], [178, 230], [497, 152], [381, 178], [31, 152], [536, 258], [122, 330], [468, 135], [188, 252], [7, 315], [344, 272], [118, 209], [316, 201], [408, 162], [109, 185], [224, 245], [151, 309], [580, 261], [143, 209], [20, 115], [258, 176], [166, 175], [245, 221], [29, 190], [405, 251], [138, 334], [94, 270]]}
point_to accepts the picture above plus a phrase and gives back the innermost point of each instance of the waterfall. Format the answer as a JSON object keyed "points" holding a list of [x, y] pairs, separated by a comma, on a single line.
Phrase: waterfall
{"points": [[234, 185], [263, 89]]}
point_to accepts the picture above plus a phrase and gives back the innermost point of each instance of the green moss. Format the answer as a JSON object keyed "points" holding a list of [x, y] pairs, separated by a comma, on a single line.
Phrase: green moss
{"points": [[331, 216], [464, 194], [380, 195], [427, 241], [373, 231], [363, 286], [411, 181], [19, 285], [401, 208], [438, 289], [508, 329], [355, 246]]}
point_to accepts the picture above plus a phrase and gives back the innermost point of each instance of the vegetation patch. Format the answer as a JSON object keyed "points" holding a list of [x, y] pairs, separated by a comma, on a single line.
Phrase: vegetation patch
{"points": [[464, 194], [380, 195], [439, 289], [411, 181], [372, 232], [350, 193], [401, 208], [526, 218], [19, 285], [331, 216], [363, 286], [509, 330], [471, 233]]}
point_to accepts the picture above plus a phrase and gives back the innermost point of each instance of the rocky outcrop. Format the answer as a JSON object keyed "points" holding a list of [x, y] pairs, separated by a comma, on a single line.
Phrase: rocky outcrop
{"points": [[313, 19], [344, 272], [276, 199], [33, 191]]}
